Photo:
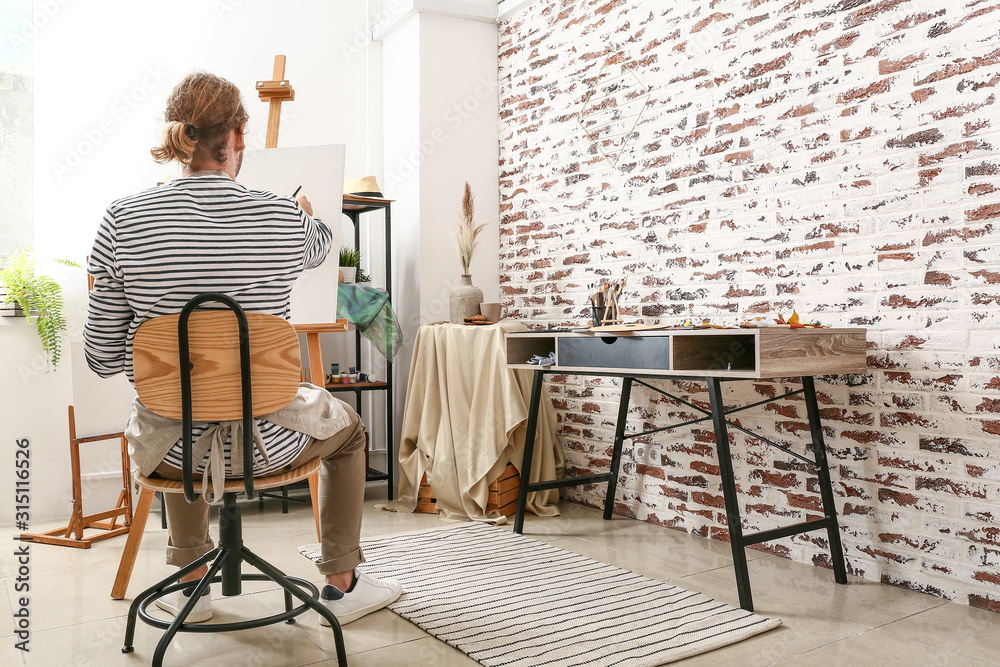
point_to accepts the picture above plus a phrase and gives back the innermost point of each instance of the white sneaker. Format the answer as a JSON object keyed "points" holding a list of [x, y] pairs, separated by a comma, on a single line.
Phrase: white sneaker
{"points": [[366, 594], [173, 603]]}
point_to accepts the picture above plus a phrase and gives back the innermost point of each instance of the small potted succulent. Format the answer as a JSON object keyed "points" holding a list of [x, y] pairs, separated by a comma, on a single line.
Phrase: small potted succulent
{"points": [[350, 266]]}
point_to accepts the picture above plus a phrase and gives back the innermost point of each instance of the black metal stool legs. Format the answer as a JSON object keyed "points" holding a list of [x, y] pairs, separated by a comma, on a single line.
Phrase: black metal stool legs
{"points": [[291, 589], [147, 596], [305, 591], [231, 539], [225, 563], [178, 622]]}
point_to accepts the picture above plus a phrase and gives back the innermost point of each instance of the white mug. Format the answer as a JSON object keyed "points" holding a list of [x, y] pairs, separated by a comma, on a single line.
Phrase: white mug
{"points": [[494, 312]]}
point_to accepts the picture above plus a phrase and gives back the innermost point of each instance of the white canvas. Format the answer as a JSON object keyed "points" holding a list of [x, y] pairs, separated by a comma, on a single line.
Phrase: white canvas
{"points": [[319, 170]]}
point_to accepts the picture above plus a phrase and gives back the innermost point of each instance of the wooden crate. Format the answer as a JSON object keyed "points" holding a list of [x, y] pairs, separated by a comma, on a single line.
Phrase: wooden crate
{"points": [[503, 494], [426, 502]]}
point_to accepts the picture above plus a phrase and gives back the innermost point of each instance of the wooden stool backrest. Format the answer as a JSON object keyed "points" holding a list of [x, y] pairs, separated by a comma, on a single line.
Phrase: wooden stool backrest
{"points": [[275, 368]]}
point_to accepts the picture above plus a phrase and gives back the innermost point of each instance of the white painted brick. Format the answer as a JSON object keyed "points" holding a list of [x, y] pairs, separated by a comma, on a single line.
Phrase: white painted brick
{"points": [[914, 252]]}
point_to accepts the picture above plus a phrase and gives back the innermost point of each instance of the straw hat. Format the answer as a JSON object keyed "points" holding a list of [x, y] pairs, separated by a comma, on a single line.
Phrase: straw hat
{"points": [[363, 187]]}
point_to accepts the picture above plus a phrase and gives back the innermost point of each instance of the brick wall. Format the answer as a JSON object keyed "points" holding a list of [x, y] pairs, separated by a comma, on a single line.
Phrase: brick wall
{"points": [[837, 158]]}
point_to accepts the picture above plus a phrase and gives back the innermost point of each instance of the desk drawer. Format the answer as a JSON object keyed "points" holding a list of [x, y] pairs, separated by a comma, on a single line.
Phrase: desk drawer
{"points": [[631, 352]]}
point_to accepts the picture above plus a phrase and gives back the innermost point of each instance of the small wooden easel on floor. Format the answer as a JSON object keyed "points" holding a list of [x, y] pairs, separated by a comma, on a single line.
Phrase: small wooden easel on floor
{"points": [[106, 521]]}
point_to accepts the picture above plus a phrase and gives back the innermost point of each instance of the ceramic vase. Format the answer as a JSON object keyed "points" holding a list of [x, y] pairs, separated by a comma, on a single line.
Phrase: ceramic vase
{"points": [[349, 273], [464, 300]]}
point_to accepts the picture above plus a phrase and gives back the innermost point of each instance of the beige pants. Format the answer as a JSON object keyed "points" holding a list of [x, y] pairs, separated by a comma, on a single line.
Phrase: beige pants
{"points": [[341, 496]]}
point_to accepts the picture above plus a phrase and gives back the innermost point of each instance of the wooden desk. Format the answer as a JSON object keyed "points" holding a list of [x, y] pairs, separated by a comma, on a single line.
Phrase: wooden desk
{"points": [[712, 356]]}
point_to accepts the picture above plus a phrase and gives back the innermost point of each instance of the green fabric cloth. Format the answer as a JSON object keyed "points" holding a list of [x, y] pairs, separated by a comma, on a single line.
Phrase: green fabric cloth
{"points": [[368, 308]]}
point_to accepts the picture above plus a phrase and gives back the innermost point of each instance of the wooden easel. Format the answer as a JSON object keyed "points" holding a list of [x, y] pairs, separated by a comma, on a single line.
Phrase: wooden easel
{"points": [[275, 91], [106, 521], [612, 313]]}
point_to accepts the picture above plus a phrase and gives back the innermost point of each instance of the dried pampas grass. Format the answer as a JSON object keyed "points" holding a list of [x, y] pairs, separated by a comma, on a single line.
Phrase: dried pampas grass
{"points": [[468, 231]]}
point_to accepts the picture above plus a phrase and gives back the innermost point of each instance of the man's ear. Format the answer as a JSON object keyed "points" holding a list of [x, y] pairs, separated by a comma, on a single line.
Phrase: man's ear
{"points": [[241, 144]]}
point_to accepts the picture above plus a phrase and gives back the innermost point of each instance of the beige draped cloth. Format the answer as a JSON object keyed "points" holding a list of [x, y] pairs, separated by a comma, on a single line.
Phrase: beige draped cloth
{"points": [[465, 419]]}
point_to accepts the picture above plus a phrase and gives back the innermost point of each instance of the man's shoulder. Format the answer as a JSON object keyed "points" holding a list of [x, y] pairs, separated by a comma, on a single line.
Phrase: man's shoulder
{"points": [[187, 193], [150, 196], [268, 196], [138, 197]]}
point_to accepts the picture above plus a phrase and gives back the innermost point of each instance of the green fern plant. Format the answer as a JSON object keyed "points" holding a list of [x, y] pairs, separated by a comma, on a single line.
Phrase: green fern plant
{"points": [[40, 297]]}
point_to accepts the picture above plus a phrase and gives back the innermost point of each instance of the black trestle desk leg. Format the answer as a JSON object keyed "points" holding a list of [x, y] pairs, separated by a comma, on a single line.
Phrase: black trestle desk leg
{"points": [[729, 492], [616, 453], [825, 485], [529, 449]]}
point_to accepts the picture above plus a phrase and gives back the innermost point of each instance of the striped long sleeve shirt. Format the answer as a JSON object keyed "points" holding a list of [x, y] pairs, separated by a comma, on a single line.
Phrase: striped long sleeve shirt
{"points": [[157, 249]]}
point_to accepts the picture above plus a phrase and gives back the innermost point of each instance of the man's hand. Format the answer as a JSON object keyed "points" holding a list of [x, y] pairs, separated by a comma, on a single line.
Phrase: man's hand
{"points": [[304, 203]]}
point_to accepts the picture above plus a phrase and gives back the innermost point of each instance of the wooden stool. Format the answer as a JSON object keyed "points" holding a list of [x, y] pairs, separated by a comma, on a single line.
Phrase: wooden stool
{"points": [[198, 366]]}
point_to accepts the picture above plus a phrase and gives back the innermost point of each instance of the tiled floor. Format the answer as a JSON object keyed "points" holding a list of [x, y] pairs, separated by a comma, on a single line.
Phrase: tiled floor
{"points": [[75, 622]]}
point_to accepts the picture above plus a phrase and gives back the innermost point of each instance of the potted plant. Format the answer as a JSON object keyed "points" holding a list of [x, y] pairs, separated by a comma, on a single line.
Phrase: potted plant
{"points": [[464, 300], [350, 266], [37, 297]]}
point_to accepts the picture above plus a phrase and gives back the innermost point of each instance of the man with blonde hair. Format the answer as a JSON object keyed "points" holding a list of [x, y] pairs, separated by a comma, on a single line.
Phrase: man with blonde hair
{"points": [[204, 232]]}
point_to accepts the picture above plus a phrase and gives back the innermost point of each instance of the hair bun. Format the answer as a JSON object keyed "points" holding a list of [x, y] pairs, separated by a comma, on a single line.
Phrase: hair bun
{"points": [[201, 110]]}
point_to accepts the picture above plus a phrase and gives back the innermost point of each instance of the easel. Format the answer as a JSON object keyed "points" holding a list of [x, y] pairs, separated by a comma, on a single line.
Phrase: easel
{"points": [[78, 522], [275, 91], [612, 313]]}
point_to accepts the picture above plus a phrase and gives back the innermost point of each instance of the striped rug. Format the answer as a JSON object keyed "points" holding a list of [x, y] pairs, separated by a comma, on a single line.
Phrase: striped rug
{"points": [[509, 600]]}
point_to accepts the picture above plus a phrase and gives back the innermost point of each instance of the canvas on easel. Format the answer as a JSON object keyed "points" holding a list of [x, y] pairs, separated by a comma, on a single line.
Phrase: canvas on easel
{"points": [[319, 170]]}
